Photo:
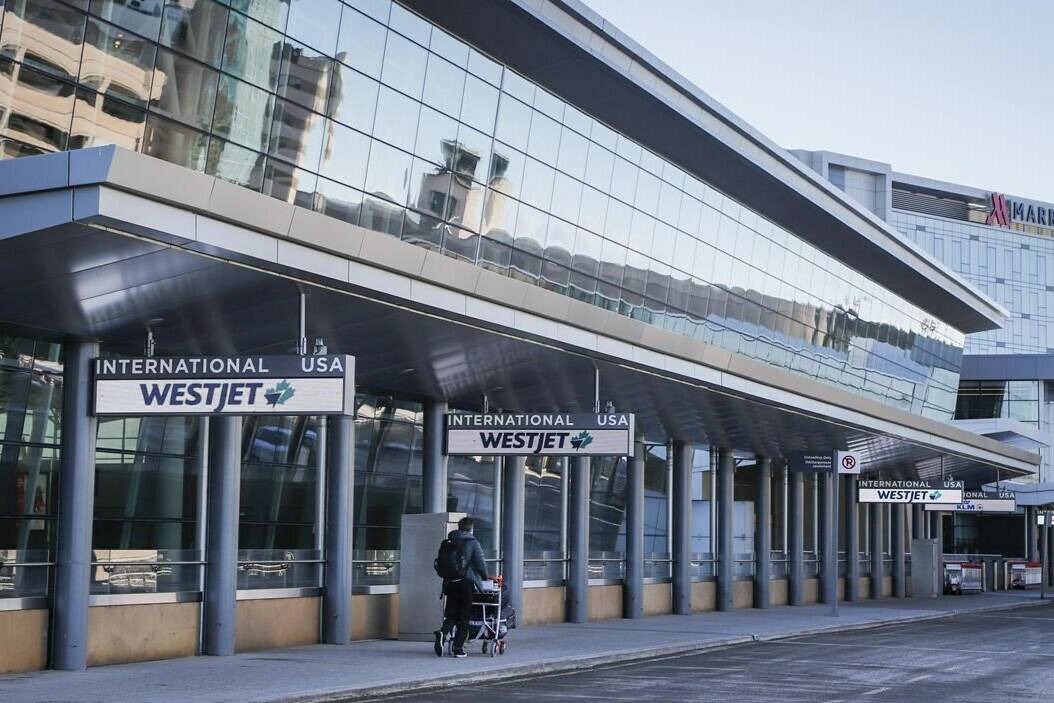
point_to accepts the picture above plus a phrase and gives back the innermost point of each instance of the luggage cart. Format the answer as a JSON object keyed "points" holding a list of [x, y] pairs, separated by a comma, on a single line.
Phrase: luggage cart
{"points": [[953, 578], [972, 577], [489, 621], [1025, 575]]}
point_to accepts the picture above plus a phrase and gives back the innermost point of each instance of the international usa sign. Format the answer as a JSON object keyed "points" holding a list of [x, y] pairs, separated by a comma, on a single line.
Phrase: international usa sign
{"points": [[553, 434], [256, 385]]}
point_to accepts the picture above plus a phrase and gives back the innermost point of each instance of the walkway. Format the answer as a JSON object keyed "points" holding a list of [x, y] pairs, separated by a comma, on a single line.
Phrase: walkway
{"points": [[330, 673]]}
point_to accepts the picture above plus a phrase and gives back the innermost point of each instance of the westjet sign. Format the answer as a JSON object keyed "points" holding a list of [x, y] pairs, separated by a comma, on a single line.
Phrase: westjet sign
{"points": [[523, 434], [259, 385], [927, 492]]}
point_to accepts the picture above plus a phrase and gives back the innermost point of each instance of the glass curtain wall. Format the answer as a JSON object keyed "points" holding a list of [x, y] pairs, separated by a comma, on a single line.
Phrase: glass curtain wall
{"points": [[30, 422], [147, 489], [656, 512], [702, 501], [607, 518], [744, 489], [278, 531], [543, 519], [368, 113]]}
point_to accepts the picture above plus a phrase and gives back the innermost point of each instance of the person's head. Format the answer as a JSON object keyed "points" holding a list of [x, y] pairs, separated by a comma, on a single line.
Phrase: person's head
{"points": [[465, 524]]}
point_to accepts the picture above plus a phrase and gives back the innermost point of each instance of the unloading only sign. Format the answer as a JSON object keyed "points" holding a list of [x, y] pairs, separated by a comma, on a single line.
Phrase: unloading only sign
{"points": [[936, 492], [251, 385], [554, 434]]}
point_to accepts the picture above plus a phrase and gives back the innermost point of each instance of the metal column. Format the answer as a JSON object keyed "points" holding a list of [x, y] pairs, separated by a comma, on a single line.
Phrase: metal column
{"points": [[875, 530], [433, 470], [578, 540], [1033, 535], [830, 538], [852, 540], [726, 468], [918, 522], [1045, 553], [221, 570], [76, 507], [340, 483], [795, 538], [900, 581], [633, 586], [681, 488], [762, 532], [512, 529]]}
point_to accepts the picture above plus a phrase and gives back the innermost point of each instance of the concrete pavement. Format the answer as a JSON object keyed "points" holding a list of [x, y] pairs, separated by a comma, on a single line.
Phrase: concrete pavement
{"points": [[320, 673]]}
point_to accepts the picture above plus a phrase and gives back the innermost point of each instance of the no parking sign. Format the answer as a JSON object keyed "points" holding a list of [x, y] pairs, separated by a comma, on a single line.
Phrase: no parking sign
{"points": [[847, 462]]}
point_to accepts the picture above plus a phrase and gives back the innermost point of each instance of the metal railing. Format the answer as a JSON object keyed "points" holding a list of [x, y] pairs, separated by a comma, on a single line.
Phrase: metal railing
{"points": [[24, 573], [545, 566], [269, 569], [143, 571], [704, 566], [375, 567], [608, 566], [779, 565]]}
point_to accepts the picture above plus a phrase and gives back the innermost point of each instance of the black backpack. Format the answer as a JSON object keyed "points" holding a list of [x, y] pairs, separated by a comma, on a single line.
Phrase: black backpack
{"points": [[452, 561]]}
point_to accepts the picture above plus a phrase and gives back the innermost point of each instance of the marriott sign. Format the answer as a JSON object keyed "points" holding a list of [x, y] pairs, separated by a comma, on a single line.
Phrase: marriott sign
{"points": [[1006, 210]]}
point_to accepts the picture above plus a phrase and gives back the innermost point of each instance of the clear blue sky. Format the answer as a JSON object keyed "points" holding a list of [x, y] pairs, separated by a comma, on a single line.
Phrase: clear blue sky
{"points": [[959, 90]]}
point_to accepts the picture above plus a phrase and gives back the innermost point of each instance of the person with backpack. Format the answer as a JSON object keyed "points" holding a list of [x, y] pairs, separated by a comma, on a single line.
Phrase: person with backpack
{"points": [[461, 566]]}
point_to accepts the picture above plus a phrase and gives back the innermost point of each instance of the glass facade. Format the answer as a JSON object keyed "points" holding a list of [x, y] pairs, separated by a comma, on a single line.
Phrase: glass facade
{"points": [[368, 113]]}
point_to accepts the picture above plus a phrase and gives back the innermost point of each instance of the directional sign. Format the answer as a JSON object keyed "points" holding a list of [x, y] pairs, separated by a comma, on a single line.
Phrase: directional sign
{"points": [[946, 493], [524, 434], [982, 502], [251, 385]]}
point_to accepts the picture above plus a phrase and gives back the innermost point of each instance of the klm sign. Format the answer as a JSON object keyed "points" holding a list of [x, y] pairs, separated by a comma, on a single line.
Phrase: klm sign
{"points": [[251, 385]]}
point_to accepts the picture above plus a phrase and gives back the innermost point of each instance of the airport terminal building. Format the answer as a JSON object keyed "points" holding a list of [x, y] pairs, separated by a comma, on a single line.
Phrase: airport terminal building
{"points": [[505, 207]]}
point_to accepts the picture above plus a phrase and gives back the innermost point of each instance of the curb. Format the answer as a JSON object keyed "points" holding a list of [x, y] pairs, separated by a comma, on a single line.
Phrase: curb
{"points": [[585, 663]]}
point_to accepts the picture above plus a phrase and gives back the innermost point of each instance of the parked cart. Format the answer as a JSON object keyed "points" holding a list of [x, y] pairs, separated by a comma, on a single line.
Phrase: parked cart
{"points": [[490, 619], [972, 577], [1025, 574]]}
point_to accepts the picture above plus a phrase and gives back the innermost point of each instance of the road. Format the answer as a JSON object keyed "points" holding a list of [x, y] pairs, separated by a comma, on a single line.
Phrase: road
{"points": [[995, 656]]}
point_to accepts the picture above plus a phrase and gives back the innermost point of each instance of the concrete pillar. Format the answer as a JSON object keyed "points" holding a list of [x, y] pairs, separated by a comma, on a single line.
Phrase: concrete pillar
{"points": [[898, 513], [681, 489], [433, 470], [340, 484], [852, 538], [830, 538], [633, 585], [76, 508], [795, 538], [1033, 534], [762, 532], [221, 570], [875, 548], [578, 540], [512, 529], [726, 472]]}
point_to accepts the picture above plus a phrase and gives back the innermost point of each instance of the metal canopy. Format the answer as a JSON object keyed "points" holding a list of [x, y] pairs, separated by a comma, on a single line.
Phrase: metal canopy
{"points": [[87, 281]]}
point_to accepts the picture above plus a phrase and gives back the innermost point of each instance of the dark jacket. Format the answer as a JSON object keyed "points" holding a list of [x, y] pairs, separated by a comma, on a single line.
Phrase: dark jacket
{"points": [[477, 567]]}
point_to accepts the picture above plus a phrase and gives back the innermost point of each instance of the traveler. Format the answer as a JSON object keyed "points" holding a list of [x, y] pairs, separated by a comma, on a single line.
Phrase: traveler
{"points": [[461, 566]]}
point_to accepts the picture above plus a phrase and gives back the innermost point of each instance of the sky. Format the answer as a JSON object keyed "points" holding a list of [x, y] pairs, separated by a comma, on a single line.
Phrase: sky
{"points": [[957, 90]]}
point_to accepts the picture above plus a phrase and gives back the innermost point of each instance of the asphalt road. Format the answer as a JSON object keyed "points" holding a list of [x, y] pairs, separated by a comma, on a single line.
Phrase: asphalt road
{"points": [[997, 656]]}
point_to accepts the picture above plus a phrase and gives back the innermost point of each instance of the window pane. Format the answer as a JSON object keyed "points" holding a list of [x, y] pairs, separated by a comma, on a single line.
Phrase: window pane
{"points": [[352, 98], [47, 34], [296, 135], [305, 77], [506, 170], [537, 184], [39, 109], [243, 113], [315, 22], [388, 173], [273, 13], [396, 119], [361, 42], [285, 182], [117, 63], [544, 143], [345, 155], [573, 150], [100, 119], [339, 201], [473, 154], [436, 133], [183, 89], [479, 105], [514, 123], [195, 28], [252, 51], [410, 25], [444, 86], [146, 24], [466, 203], [404, 65], [235, 164], [175, 142]]}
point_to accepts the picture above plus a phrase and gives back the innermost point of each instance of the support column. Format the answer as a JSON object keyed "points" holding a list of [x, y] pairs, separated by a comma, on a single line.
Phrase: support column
{"points": [[1033, 534], [681, 488], [726, 467], [852, 539], [900, 581], [762, 532], [578, 540], [76, 507], [918, 522], [795, 538], [340, 483], [830, 538], [221, 570], [875, 530], [1045, 551], [433, 470], [633, 585], [512, 529]]}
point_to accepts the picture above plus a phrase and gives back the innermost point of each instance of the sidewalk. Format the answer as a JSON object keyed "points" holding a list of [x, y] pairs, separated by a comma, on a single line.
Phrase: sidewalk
{"points": [[328, 673]]}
